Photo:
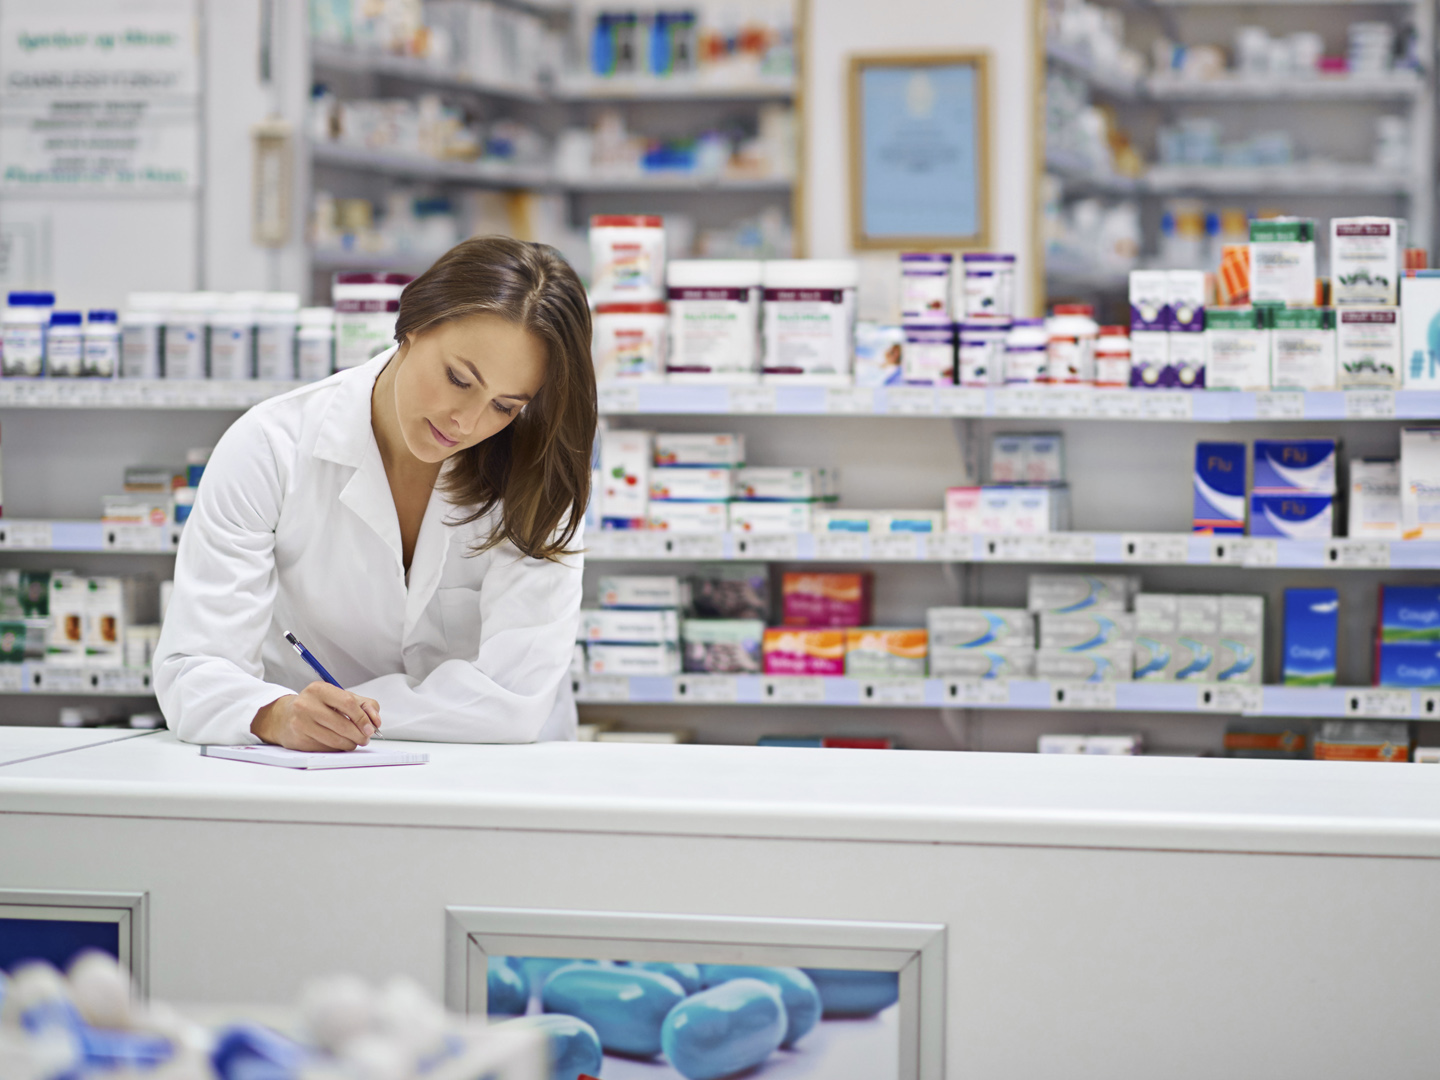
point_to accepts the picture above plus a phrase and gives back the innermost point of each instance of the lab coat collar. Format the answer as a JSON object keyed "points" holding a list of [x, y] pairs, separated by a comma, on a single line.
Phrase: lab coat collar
{"points": [[345, 436]]}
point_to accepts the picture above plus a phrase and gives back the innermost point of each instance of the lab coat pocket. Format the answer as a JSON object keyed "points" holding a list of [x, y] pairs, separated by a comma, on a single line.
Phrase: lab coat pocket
{"points": [[460, 618]]}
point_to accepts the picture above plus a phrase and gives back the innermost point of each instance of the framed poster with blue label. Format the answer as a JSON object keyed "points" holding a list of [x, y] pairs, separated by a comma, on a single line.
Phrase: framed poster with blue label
{"points": [[920, 151]]}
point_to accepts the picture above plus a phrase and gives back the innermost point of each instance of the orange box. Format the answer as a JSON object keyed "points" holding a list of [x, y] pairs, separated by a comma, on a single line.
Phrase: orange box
{"points": [[820, 599], [1232, 284], [875, 652], [803, 652]]}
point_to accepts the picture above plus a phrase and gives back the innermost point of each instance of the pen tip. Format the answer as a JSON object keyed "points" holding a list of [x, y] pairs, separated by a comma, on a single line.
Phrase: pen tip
{"points": [[289, 637]]}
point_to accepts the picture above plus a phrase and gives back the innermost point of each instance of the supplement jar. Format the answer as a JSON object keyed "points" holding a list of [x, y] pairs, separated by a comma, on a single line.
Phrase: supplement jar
{"points": [[366, 307], [232, 336], [186, 326], [981, 354], [65, 345], [630, 340], [1026, 348], [714, 319], [26, 320], [275, 324], [928, 356], [986, 286], [101, 359], [809, 320], [142, 335], [1112, 356], [1072, 331], [315, 344], [925, 286], [627, 258]]}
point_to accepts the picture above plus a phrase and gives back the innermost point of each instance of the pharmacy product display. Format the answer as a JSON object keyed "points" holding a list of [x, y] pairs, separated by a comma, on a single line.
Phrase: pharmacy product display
{"points": [[68, 618]]}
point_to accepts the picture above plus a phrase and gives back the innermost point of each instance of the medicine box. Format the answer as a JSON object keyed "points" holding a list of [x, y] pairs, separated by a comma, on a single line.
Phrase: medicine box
{"points": [[689, 518], [1420, 483], [1219, 481], [1366, 258], [1027, 459], [1367, 348], [1282, 261], [991, 662], [1412, 664], [633, 659], [1111, 664], [977, 627], [1237, 349], [1302, 348], [1149, 358], [1081, 592], [1312, 628], [67, 614], [1420, 332], [1157, 625], [1362, 740], [872, 652], [723, 646], [1266, 739], [1149, 300], [1081, 631], [623, 626], [1295, 465], [787, 484], [691, 484], [963, 510], [731, 591], [1011, 511], [700, 450], [1185, 368], [1293, 516], [878, 521], [1240, 657], [1407, 651], [625, 473], [1374, 507], [641, 591], [826, 599], [790, 651], [1186, 292], [877, 354], [770, 517]]}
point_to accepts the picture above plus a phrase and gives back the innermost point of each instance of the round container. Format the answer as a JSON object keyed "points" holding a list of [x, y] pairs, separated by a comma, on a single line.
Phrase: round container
{"points": [[925, 286], [232, 336], [186, 331], [184, 503], [809, 320], [629, 341], [627, 258], [65, 345], [142, 335], [987, 287], [101, 358], [714, 319], [981, 353], [1072, 331], [275, 324], [928, 356], [1112, 356], [1027, 347], [26, 320], [366, 307], [315, 344]]}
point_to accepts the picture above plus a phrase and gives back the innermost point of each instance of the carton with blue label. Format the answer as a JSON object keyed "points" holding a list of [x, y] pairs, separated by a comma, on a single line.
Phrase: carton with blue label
{"points": [[1219, 501], [1311, 640], [1240, 654], [1293, 495], [1407, 647]]}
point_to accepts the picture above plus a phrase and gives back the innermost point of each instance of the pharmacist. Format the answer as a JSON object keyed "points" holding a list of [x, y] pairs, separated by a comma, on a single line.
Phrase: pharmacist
{"points": [[414, 521]]}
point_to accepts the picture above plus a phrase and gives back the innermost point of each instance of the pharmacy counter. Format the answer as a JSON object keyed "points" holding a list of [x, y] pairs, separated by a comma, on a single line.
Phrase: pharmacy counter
{"points": [[1092, 916], [19, 744]]}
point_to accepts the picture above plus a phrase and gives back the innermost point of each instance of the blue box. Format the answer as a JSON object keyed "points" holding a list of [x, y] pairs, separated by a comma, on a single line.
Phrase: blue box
{"points": [[1409, 613], [1312, 632], [1285, 465], [1414, 664], [1219, 488], [1295, 516]]}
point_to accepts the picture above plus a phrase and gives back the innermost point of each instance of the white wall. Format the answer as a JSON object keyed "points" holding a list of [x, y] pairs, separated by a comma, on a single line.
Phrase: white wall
{"points": [[838, 28]]}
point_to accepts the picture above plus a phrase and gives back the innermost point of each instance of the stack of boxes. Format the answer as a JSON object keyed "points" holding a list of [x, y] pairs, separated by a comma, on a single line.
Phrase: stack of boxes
{"points": [[84, 620], [1198, 638], [1026, 492], [818, 609], [636, 628], [1407, 636], [981, 643], [1167, 329], [693, 480], [1312, 634], [725, 628], [1086, 630], [772, 499], [1293, 494]]}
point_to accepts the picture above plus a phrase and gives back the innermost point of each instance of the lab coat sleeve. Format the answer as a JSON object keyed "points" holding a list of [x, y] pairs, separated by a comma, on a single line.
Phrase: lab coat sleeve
{"points": [[529, 612], [208, 673]]}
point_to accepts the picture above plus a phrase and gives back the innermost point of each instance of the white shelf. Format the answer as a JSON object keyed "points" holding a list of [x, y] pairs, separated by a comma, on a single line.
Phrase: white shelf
{"points": [[359, 260], [414, 70], [196, 394], [1298, 178], [20, 534], [1018, 402], [1099, 79], [676, 181], [1066, 275], [479, 173], [1397, 86], [1080, 175], [1077, 548], [56, 677], [673, 89], [1028, 694]]}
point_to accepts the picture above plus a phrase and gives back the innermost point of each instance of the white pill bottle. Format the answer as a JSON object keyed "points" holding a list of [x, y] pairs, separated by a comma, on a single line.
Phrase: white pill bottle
{"points": [[714, 319], [809, 320], [315, 344]]}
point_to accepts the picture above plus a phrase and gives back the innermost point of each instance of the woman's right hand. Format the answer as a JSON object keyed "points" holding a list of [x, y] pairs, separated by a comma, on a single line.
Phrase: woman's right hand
{"points": [[319, 718]]}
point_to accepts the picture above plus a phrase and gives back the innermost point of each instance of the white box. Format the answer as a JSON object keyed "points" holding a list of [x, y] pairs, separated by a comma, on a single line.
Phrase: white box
{"points": [[1282, 261], [1085, 631], [1185, 290], [770, 517], [1187, 360], [997, 662], [690, 484], [716, 450], [1061, 744], [1374, 499], [1420, 332], [1237, 345], [1081, 592], [689, 518], [1367, 347], [619, 626], [68, 611], [770, 482], [1149, 357], [1302, 349], [642, 591], [1157, 613], [625, 472], [1197, 614], [1149, 300], [1420, 483], [1366, 260], [1240, 657], [975, 627], [632, 659], [963, 510], [1092, 665]]}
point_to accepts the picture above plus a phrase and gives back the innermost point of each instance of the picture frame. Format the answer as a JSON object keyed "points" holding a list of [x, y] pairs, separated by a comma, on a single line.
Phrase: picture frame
{"points": [[920, 151]]}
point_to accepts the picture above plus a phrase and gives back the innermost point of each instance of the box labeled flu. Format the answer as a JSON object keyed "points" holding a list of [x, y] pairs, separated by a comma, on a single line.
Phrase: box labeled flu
{"points": [[1219, 500], [1295, 465]]}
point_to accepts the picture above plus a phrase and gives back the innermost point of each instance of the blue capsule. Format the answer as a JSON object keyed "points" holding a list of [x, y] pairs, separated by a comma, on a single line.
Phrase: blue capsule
{"points": [[687, 975], [506, 993], [536, 969], [855, 993], [797, 992], [574, 1046], [625, 1005], [724, 1030]]}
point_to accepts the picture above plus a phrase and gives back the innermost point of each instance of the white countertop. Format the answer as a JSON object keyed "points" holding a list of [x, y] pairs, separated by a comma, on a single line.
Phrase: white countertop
{"points": [[25, 743], [886, 795]]}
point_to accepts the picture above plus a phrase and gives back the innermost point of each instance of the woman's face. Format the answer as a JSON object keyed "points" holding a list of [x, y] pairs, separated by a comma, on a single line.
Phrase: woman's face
{"points": [[463, 381]]}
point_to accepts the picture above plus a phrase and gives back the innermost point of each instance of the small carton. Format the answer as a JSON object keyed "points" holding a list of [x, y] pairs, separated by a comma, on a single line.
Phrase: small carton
{"points": [[1367, 348], [1362, 740], [790, 651], [1186, 367], [1420, 483], [1267, 739], [625, 473], [690, 484], [1374, 510], [1366, 260], [723, 646], [1187, 297], [787, 484], [1083, 631], [1282, 261], [1311, 639], [1292, 516], [851, 521], [1081, 592], [641, 591], [770, 517], [907, 521], [1420, 331], [826, 599], [68, 610], [1149, 300], [1197, 639], [977, 627], [708, 450], [1149, 358], [1302, 348], [689, 518], [871, 652], [1296, 465], [990, 662], [963, 510], [1114, 664], [1219, 481], [877, 354], [1238, 349], [1157, 625], [629, 626], [633, 659], [1240, 657], [730, 591]]}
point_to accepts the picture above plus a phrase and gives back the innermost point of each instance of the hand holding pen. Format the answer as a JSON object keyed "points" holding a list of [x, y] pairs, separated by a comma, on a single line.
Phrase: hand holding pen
{"points": [[324, 716]]}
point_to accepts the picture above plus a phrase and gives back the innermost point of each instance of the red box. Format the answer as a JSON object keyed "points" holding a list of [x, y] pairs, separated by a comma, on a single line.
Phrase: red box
{"points": [[815, 599]]}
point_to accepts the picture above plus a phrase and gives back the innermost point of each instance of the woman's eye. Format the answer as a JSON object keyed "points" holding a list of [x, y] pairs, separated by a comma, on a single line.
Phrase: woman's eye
{"points": [[505, 410], [456, 382]]}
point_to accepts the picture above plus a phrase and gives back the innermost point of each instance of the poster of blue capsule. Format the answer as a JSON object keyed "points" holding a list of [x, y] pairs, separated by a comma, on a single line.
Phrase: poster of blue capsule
{"points": [[684, 1021]]}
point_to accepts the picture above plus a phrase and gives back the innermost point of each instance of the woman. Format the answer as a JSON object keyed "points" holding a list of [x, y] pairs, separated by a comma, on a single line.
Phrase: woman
{"points": [[415, 521]]}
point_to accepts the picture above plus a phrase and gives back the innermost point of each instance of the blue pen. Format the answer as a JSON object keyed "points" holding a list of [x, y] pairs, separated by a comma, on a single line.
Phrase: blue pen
{"points": [[309, 658]]}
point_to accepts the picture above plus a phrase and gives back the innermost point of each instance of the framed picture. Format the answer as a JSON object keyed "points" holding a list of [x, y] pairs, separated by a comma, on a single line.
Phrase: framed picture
{"points": [[665, 997], [56, 926], [920, 151]]}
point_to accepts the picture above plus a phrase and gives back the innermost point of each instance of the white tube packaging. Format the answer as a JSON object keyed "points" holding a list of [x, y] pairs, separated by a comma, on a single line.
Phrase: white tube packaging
{"points": [[714, 319], [809, 320]]}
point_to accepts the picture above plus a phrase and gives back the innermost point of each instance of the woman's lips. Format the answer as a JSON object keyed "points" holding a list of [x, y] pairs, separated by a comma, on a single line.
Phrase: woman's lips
{"points": [[440, 438]]}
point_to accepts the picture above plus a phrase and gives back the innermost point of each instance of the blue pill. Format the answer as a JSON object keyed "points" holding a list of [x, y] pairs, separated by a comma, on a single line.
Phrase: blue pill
{"points": [[724, 1030], [536, 969], [506, 992], [797, 992], [574, 1046], [625, 1005], [687, 975], [855, 993]]}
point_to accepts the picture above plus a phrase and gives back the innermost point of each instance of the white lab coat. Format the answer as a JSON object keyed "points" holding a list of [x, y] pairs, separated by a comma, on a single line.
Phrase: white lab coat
{"points": [[294, 528]]}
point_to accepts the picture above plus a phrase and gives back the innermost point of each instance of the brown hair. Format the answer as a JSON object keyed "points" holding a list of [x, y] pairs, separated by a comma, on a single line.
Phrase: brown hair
{"points": [[538, 467]]}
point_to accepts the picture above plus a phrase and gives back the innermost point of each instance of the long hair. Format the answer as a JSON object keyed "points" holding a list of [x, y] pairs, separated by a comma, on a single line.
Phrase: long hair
{"points": [[538, 468]]}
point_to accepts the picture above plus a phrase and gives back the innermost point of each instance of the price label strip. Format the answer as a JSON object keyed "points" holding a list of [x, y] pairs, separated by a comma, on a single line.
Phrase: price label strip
{"points": [[849, 400], [26, 535], [604, 688], [1155, 548], [1280, 405], [619, 399], [1358, 554], [979, 692], [752, 399], [1230, 699], [1378, 704], [893, 692], [959, 401], [722, 689], [910, 401], [793, 690], [1082, 695], [779, 547], [903, 547], [841, 546], [1369, 404]]}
